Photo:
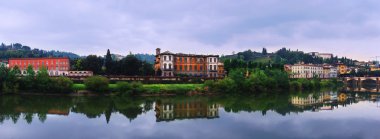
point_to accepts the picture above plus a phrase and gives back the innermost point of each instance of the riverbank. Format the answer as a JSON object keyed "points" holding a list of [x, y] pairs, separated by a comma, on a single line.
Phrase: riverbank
{"points": [[147, 89]]}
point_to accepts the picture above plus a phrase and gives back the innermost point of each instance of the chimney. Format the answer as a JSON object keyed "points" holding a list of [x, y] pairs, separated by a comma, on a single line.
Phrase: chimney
{"points": [[158, 51]]}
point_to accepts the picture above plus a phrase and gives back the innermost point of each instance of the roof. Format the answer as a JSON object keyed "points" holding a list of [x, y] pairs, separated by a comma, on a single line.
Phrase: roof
{"points": [[38, 58], [188, 55]]}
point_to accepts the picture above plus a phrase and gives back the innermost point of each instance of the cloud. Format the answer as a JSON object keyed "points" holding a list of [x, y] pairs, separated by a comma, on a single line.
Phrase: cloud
{"points": [[192, 26]]}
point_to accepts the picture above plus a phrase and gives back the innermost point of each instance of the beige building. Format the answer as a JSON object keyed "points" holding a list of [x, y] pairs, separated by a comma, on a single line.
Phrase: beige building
{"points": [[305, 71], [309, 100]]}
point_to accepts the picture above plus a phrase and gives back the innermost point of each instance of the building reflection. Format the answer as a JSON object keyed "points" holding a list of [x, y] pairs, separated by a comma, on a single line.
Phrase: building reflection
{"points": [[61, 112], [331, 100], [191, 109]]}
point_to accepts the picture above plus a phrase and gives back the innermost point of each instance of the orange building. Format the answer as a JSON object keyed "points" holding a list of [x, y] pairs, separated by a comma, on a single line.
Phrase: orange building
{"points": [[342, 69], [171, 64], [55, 66]]}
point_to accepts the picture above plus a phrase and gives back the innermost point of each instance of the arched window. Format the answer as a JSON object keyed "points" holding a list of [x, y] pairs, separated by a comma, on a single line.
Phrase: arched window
{"points": [[165, 66], [170, 66]]}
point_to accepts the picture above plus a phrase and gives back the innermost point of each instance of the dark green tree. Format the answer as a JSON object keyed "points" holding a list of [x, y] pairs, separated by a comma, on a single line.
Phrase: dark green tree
{"points": [[109, 63], [264, 52]]}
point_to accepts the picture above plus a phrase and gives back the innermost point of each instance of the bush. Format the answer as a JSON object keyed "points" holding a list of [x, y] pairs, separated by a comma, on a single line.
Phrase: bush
{"points": [[123, 87], [62, 85], [305, 83], [136, 88], [132, 88], [295, 85], [97, 84]]}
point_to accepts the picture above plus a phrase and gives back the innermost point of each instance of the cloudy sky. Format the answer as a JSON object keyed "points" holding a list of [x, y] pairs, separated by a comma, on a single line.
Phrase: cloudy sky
{"points": [[344, 27]]}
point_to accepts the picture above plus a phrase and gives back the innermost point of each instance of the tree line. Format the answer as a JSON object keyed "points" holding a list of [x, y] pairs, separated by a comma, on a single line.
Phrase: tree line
{"points": [[287, 56], [12, 82], [17, 50], [130, 65]]}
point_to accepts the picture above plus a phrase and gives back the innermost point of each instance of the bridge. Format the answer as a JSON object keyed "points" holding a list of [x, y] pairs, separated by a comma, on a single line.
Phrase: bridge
{"points": [[359, 80], [375, 89]]}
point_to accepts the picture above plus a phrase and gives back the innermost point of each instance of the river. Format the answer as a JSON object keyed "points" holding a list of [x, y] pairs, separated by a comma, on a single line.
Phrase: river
{"points": [[307, 115]]}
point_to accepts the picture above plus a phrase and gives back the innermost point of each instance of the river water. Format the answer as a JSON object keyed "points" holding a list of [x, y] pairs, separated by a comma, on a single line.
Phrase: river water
{"points": [[307, 115]]}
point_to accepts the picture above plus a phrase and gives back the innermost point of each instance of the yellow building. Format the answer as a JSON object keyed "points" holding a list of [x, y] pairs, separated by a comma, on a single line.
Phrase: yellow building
{"points": [[342, 69]]}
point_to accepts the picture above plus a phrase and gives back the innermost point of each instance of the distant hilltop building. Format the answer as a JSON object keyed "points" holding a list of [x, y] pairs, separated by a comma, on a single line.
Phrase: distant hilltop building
{"points": [[170, 64], [321, 55]]}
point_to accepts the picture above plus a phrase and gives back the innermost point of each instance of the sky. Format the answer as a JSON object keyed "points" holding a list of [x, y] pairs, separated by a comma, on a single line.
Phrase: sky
{"points": [[344, 27]]}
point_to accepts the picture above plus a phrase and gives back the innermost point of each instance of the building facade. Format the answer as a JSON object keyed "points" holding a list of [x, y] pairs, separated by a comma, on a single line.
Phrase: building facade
{"points": [[321, 55], [330, 71], [305, 71], [171, 64], [80, 73], [342, 69], [55, 66]]}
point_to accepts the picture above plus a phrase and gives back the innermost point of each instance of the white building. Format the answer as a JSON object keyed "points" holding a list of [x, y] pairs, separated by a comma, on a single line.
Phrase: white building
{"points": [[321, 55], [330, 71], [306, 71]]}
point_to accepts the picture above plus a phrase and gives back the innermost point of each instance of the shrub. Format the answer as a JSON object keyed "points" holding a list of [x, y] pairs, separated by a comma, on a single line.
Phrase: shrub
{"points": [[305, 83], [295, 85], [132, 88], [97, 84], [62, 85], [136, 88], [226, 85], [123, 87]]}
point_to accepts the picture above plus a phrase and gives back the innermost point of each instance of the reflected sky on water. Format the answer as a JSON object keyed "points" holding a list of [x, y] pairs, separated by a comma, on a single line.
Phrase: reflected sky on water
{"points": [[313, 115]]}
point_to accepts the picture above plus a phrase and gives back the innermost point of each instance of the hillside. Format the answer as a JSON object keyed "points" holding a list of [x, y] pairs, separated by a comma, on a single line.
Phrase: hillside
{"points": [[18, 50], [285, 56]]}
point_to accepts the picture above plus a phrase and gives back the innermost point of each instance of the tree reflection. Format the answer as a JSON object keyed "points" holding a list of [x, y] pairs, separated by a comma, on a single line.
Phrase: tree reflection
{"points": [[16, 107]]}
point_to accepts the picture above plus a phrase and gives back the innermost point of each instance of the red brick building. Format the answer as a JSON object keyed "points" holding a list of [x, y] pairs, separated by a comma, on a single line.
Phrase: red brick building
{"points": [[55, 66]]}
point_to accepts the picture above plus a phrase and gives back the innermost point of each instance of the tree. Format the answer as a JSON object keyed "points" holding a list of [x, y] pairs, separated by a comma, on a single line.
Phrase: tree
{"points": [[93, 63], [29, 80], [264, 51], [43, 81], [109, 63]]}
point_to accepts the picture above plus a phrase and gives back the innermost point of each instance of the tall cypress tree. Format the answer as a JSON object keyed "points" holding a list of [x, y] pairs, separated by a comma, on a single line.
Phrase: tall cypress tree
{"points": [[264, 51], [108, 62]]}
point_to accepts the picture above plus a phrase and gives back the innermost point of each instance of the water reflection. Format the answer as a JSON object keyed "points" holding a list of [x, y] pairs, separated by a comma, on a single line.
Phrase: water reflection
{"points": [[334, 114], [169, 110]]}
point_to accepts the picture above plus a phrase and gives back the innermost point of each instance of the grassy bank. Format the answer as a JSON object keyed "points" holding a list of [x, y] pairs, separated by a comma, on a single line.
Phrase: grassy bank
{"points": [[171, 88], [154, 88]]}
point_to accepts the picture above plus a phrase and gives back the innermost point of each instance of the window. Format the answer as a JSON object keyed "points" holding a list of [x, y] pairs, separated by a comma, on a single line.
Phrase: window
{"points": [[210, 67], [170, 58], [165, 65], [170, 66], [185, 68], [164, 58], [214, 67]]}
